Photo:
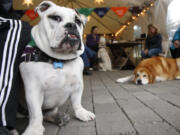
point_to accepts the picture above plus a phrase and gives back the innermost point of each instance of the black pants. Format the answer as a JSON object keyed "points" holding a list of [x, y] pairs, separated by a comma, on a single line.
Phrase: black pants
{"points": [[14, 35], [175, 53]]}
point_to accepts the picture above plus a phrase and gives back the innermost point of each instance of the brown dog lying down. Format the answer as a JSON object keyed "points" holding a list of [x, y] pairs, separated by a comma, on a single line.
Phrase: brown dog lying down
{"points": [[153, 70]]}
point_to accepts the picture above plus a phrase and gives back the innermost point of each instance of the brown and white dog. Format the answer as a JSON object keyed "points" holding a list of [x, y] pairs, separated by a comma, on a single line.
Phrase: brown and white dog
{"points": [[153, 70]]}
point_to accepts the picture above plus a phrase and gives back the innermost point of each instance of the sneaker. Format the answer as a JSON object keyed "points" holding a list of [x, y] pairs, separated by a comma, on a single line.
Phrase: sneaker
{"points": [[86, 71], [14, 132]]}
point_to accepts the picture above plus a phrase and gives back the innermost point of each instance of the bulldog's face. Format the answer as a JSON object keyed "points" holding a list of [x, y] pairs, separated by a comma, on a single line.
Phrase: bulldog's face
{"points": [[62, 26], [142, 76]]}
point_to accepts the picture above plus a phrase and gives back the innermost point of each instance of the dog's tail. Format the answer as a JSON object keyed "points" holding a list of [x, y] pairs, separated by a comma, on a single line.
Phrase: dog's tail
{"points": [[125, 79]]}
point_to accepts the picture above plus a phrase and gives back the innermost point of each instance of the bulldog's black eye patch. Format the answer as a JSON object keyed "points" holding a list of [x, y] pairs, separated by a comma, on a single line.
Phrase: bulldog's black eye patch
{"points": [[78, 21], [55, 18]]}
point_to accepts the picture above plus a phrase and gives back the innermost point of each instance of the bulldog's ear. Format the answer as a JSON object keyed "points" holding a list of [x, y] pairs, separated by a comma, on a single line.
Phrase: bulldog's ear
{"points": [[43, 6], [84, 19]]}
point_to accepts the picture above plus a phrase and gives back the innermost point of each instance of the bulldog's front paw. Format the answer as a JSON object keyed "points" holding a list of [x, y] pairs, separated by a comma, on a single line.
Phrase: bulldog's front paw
{"points": [[84, 115], [38, 130]]}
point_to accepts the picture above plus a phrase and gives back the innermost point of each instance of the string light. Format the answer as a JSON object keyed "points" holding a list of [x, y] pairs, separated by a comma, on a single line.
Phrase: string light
{"points": [[142, 13], [121, 29], [88, 18], [129, 23], [28, 2], [98, 1], [152, 4], [144, 10], [84, 35], [134, 18]]}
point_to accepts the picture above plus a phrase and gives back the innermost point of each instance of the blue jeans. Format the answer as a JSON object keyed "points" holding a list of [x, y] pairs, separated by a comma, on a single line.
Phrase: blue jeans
{"points": [[87, 55], [151, 52]]}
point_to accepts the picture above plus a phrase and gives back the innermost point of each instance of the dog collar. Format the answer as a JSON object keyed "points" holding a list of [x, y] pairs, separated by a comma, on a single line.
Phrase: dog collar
{"points": [[33, 53]]}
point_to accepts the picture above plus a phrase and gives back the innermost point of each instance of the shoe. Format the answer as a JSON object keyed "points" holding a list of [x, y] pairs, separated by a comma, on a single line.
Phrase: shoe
{"points": [[4, 131], [87, 73], [14, 132]]}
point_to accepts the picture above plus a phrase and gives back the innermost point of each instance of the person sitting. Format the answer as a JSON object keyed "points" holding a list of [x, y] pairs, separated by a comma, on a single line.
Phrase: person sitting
{"points": [[14, 36], [92, 40], [87, 56], [175, 47], [153, 43]]}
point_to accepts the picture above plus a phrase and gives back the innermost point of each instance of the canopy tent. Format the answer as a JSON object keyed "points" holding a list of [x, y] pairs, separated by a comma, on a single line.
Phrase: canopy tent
{"points": [[110, 23]]}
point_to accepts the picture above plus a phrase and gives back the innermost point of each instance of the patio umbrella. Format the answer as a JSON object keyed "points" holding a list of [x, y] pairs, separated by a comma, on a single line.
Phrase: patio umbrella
{"points": [[109, 23]]}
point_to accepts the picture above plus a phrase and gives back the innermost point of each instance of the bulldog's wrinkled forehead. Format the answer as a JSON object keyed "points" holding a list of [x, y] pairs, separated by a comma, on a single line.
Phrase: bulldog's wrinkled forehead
{"points": [[47, 8], [65, 13]]}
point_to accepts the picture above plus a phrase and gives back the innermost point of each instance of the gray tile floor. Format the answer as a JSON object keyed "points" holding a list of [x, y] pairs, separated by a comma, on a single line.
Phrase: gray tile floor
{"points": [[123, 109]]}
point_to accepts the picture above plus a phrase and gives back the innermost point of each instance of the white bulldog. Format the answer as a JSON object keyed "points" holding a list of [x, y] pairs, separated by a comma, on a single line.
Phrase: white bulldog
{"points": [[59, 35]]}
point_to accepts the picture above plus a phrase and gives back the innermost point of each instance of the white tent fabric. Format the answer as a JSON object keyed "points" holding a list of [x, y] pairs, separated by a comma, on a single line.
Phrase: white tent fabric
{"points": [[173, 18], [166, 18], [158, 16]]}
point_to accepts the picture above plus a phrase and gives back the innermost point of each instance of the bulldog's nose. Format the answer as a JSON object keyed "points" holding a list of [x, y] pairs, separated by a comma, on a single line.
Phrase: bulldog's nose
{"points": [[70, 26], [139, 82]]}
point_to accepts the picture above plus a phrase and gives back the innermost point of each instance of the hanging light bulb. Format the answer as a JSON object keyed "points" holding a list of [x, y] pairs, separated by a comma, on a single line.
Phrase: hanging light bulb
{"points": [[128, 23], [152, 4], [98, 1], [28, 2], [133, 17], [88, 18], [144, 10]]}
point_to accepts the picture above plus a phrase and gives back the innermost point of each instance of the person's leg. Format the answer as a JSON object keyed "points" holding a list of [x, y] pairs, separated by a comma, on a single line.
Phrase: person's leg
{"points": [[173, 52], [11, 49], [154, 52], [90, 53], [178, 53], [86, 63], [85, 59], [92, 56]]}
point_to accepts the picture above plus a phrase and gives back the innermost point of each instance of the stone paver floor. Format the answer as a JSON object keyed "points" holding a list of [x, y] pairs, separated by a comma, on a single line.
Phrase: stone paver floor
{"points": [[123, 109]]}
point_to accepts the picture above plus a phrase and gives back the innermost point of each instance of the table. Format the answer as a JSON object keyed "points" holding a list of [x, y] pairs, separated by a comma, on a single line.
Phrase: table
{"points": [[118, 50]]}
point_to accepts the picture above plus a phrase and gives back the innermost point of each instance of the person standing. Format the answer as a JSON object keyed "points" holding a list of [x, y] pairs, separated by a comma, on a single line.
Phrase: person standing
{"points": [[14, 36], [153, 43], [175, 47]]}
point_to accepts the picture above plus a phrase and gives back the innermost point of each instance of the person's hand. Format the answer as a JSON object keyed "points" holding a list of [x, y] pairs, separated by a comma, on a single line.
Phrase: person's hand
{"points": [[176, 43], [146, 51]]}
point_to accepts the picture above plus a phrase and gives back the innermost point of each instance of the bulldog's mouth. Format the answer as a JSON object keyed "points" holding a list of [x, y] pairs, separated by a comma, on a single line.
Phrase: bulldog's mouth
{"points": [[72, 36], [70, 43]]}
